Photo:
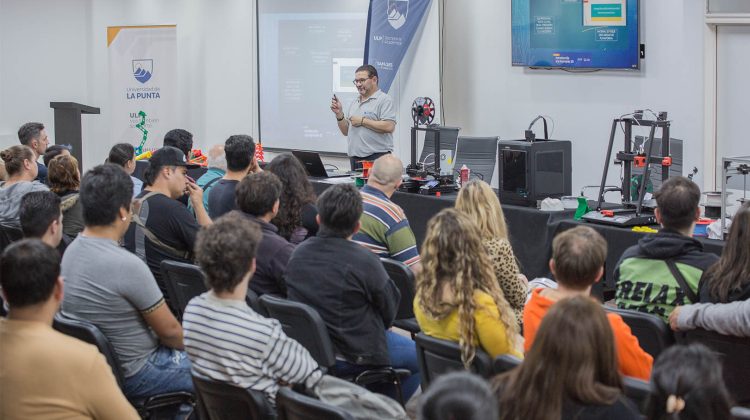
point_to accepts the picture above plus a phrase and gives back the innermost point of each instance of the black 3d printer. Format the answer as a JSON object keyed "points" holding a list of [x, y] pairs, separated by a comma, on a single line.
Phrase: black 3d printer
{"points": [[423, 180], [633, 211], [533, 169]]}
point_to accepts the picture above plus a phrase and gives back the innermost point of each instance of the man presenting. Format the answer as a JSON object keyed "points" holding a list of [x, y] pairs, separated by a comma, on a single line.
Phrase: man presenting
{"points": [[369, 121]]}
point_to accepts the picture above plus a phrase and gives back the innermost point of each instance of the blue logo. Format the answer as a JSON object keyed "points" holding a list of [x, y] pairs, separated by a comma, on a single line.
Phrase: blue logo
{"points": [[397, 11], [143, 69]]}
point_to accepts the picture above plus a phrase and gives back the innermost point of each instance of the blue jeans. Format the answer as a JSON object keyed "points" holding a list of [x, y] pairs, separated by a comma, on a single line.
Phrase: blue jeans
{"points": [[166, 370], [403, 355]]}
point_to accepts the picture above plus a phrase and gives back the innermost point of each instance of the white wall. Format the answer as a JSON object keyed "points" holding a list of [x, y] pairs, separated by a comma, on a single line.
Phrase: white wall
{"points": [[43, 59], [65, 59], [56, 50], [486, 96]]}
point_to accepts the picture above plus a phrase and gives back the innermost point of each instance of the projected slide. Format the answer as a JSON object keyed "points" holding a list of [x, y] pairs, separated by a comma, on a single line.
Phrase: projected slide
{"points": [[575, 33], [308, 50]]}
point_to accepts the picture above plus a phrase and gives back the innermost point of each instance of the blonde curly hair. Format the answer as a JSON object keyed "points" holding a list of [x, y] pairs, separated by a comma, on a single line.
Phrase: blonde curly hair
{"points": [[477, 200], [453, 257]]}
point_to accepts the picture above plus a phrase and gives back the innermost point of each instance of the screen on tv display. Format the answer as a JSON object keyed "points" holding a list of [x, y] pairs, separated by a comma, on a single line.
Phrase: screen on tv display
{"points": [[577, 34]]}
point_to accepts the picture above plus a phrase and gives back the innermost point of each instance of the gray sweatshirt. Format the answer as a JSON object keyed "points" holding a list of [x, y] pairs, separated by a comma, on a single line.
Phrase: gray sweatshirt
{"points": [[10, 201], [724, 318]]}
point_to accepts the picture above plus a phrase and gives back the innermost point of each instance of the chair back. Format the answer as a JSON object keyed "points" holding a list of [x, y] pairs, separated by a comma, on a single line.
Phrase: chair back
{"points": [[637, 391], [505, 363], [9, 235], [437, 357], [222, 401], [253, 300], [303, 324], [89, 333], [478, 153], [183, 282], [734, 352], [652, 332], [292, 405], [403, 278]]}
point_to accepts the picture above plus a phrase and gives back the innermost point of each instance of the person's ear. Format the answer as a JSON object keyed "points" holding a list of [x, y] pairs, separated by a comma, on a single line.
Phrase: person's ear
{"points": [[697, 213], [552, 267], [657, 214], [252, 267], [317, 219], [124, 214], [599, 275], [275, 208], [58, 291], [357, 227]]}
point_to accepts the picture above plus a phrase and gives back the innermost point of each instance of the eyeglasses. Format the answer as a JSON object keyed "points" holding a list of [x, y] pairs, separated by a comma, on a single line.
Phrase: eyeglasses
{"points": [[360, 81]]}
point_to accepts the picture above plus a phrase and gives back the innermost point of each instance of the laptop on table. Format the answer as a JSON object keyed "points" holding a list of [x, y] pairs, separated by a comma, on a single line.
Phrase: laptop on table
{"points": [[314, 166]]}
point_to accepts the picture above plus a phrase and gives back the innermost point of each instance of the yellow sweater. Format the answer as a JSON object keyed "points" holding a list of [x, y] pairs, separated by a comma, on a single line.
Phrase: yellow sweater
{"points": [[489, 332]]}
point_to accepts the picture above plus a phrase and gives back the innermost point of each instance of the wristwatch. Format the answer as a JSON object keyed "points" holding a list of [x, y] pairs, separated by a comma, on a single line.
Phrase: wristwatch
{"points": [[340, 119]]}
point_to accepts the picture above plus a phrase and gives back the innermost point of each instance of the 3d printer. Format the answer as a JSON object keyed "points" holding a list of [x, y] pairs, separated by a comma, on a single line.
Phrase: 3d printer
{"points": [[426, 179], [633, 212]]}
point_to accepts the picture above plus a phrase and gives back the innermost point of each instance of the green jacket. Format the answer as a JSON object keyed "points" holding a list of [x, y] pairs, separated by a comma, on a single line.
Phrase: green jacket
{"points": [[644, 281]]}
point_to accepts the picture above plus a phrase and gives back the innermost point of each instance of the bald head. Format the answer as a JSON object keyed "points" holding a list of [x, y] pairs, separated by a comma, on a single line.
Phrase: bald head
{"points": [[216, 158], [386, 171]]}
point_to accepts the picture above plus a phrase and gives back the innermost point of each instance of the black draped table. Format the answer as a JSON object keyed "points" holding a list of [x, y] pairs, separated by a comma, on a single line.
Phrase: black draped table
{"points": [[530, 231]]}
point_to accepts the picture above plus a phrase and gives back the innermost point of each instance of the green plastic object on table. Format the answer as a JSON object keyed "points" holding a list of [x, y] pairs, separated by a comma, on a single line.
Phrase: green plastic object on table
{"points": [[583, 208]]}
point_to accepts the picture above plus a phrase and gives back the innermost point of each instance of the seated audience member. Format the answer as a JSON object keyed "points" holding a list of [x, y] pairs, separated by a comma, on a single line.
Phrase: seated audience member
{"points": [[54, 151], [385, 229], [457, 295], [258, 197], [728, 280], [570, 371], [123, 154], [22, 170], [650, 275], [64, 179], [181, 139], [577, 263], [240, 155], [114, 290], [351, 291], [723, 318], [458, 395], [477, 200], [162, 228], [42, 218], [43, 373], [225, 339], [688, 384], [34, 135], [296, 218], [217, 168]]}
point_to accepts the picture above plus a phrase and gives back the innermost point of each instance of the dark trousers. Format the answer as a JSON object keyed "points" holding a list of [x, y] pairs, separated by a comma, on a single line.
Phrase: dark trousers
{"points": [[356, 161]]}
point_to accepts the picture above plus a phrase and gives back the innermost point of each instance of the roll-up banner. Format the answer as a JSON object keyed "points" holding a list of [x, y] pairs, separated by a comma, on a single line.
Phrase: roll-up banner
{"points": [[142, 84], [391, 26]]}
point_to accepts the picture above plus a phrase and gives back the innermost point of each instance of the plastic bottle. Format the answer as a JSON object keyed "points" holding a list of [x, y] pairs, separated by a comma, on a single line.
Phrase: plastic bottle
{"points": [[465, 172]]}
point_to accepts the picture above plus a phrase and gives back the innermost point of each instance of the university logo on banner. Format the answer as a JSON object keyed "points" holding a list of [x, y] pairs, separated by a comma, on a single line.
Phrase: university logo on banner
{"points": [[391, 26], [142, 70], [397, 12]]}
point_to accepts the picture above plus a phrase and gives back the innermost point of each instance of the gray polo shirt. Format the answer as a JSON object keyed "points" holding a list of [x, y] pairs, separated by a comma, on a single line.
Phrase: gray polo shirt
{"points": [[363, 141], [111, 288]]}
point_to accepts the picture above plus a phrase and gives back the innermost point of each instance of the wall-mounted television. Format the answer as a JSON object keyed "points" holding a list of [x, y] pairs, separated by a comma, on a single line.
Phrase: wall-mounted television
{"points": [[576, 34]]}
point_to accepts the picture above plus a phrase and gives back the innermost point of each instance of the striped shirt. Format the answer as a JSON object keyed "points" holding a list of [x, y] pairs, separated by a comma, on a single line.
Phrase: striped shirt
{"points": [[385, 229], [227, 341]]}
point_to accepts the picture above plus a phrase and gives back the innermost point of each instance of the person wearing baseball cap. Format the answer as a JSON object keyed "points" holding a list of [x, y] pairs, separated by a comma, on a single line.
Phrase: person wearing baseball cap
{"points": [[162, 228]]}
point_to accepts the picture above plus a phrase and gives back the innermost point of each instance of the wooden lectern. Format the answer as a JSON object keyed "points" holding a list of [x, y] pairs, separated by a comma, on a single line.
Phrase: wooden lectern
{"points": [[68, 125]]}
